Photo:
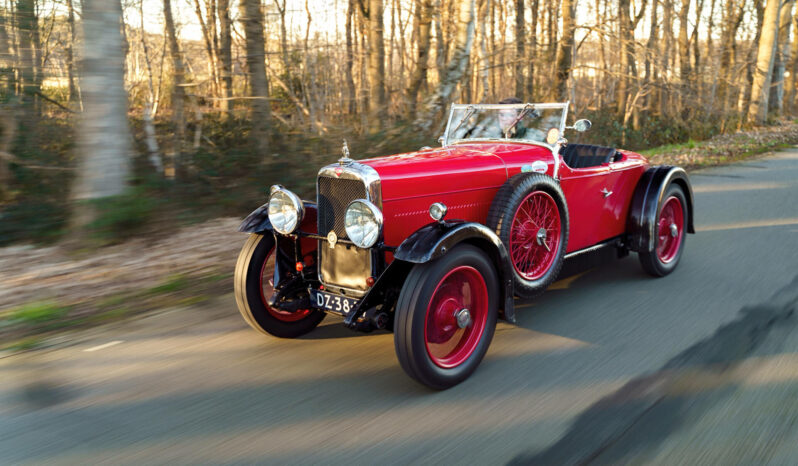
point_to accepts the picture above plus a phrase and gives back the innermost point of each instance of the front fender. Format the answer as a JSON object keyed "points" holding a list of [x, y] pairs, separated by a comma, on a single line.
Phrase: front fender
{"points": [[641, 224], [436, 239]]}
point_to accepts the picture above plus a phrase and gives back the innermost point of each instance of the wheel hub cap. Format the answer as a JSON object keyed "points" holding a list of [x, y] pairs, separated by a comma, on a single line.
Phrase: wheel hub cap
{"points": [[674, 230], [463, 318], [541, 237]]}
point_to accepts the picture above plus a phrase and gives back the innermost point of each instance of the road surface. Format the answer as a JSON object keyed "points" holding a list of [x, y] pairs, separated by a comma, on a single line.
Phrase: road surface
{"points": [[196, 385]]}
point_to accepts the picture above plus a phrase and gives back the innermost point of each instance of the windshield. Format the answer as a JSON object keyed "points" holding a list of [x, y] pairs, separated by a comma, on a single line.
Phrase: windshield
{"points": [[518, 122]]}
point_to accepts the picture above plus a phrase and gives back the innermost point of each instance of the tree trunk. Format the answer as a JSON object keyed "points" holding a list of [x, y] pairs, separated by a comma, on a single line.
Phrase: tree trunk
{"points": [[70, 59], [652, 50], [178, 93], [225, 53], [376, 65], [350, 82], [789, 85], [760, 90], [781, 58], [104, 143], [684, 56], [27, 30], [423, 18], [533, 45], [520, 37], [252, 19], [564, 52], [454, 70], [732, 18]]}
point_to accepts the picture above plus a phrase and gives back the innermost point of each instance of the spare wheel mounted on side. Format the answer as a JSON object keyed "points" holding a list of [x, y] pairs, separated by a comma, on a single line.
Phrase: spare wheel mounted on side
{"points": [[530, 216]]}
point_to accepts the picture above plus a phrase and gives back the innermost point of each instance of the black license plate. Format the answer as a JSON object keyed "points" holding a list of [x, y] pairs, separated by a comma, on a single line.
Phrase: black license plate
{"points": [[332, 302]]}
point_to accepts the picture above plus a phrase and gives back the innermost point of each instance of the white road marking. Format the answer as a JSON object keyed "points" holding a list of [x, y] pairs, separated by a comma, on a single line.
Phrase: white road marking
{"points": [[103, 346]]}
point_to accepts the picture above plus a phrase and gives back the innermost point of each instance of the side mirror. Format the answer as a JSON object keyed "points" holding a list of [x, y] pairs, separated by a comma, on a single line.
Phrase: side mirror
{"points": [[582, 125]]}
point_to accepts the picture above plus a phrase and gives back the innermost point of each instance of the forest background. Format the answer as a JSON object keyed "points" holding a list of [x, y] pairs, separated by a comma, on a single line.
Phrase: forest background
{"points": [[119, 118]]}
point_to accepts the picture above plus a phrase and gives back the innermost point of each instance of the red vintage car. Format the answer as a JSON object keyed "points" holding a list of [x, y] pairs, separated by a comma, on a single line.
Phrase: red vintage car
{"points": [[434, 245]]}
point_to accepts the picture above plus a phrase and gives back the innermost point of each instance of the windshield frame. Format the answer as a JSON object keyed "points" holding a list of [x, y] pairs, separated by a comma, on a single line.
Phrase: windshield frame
{"points": [[541, 106]]}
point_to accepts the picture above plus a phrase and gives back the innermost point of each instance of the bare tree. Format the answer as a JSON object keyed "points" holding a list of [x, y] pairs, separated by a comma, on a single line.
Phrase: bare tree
{"points": [[760, 90], [225, 52], [455, 68], [423, 18], [178, 92], [564, 52], [104, 144], [376, 63], [252, 18]]}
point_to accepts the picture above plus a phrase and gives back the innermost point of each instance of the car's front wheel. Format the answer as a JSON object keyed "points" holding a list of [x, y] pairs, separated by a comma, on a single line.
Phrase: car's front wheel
{"points": [[254, 286], [446, 316]]}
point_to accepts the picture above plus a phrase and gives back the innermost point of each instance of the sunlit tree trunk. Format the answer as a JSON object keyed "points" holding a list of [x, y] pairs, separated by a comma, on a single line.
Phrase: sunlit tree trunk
{"points": [[564, 52], [684, 54], [376, 64], [732, 17], [350, 82], [520, 37], [782, 56], [178, 92], [760, 90], [225, 53], [789, 85], [27, 31], [423, 18], [252, 19], [533, 45], [103, 137], [455, 68]]}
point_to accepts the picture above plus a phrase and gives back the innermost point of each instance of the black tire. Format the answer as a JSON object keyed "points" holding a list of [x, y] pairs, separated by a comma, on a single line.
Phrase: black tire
{"points": [[250, 297], [511, 195], [665, 256], [431, 287]]}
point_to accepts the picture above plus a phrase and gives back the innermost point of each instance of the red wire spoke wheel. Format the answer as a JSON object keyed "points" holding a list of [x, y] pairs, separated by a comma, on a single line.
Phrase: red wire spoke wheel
{"points": [[669, 239], [535, 235], [446, 315], [254, 286], [456, 317], [529, 215], [670, 229]]}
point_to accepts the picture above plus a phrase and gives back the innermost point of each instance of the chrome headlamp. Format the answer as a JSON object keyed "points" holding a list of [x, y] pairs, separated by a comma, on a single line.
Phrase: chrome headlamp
{"points": [[363, 223], [285, 210]]}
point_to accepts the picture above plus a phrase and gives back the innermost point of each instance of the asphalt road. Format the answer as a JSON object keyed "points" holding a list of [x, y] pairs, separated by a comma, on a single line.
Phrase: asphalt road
{"points": [[196, 385]]}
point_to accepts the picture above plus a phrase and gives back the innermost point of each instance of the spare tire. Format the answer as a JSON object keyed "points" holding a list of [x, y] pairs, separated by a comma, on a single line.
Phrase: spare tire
{"points": [[530, 216]]}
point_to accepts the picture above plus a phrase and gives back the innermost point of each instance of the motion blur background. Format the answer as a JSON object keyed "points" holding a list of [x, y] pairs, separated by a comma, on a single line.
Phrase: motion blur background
{"points": [[135, 134]]}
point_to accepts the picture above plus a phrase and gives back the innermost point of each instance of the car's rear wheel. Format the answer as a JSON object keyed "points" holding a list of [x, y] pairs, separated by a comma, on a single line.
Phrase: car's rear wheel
{"points": [[669, 233], [446, 316], [254, 286], [530, 217]]}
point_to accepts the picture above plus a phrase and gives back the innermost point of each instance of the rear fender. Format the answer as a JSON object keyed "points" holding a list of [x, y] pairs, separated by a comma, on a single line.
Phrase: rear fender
{"points": [[648, 195], [436, 239]]}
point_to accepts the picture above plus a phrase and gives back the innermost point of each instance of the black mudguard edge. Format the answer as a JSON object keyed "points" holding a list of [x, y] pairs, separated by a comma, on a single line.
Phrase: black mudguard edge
{"points": [[647, 197], [436, 239]]}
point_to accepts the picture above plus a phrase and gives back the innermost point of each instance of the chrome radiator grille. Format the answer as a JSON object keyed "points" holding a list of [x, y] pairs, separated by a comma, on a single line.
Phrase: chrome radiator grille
{"points": [[334, 195]]}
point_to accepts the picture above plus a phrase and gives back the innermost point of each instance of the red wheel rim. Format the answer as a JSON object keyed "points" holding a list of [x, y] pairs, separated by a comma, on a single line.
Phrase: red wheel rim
{"points": [[267, 289], [670, 229], [535, 235], [449, 342]]}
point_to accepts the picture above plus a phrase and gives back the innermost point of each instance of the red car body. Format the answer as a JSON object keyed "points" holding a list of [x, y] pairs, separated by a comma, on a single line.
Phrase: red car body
{"points": [[466, 178], [435, 244]]}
